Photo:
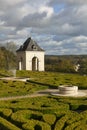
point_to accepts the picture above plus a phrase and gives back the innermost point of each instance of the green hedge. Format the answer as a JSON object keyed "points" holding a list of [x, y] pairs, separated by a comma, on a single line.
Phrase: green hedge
{"points": [[78, 106], [50, 108], [81, 127], [49, 118], [36, 125], [65, 120], [61, 122], [73, 117], [84, 114], [5, 112], [23, 116], [74, 106], [77, 124], [6, 125]]}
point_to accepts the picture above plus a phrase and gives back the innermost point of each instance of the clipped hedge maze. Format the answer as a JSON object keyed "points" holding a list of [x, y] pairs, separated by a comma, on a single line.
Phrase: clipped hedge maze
{"points": [[43, 113]]}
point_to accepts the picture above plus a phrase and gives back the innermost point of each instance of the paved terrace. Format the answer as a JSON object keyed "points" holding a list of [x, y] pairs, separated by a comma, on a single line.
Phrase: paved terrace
{"points": [[81, 93]]}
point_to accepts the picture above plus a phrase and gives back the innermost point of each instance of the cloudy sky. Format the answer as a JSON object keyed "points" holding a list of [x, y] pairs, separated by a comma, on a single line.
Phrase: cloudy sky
{"points": [[58, 26]]}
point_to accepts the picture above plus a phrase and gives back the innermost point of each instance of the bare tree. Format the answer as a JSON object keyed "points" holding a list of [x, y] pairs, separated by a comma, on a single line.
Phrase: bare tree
{"points": [[11, 46]]}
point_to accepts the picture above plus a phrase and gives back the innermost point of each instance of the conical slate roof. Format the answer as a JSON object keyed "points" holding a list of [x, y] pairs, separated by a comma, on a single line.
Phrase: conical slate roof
{"points": [[29, 45]]}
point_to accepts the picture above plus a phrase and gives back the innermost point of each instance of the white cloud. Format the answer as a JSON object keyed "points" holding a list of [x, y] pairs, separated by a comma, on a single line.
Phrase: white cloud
{"points": [[48, 10], [2, 23], [60, 26]]}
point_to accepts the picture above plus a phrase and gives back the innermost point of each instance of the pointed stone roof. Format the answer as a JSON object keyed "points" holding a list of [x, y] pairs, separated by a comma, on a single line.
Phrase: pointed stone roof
{"points": [[29, 45]]}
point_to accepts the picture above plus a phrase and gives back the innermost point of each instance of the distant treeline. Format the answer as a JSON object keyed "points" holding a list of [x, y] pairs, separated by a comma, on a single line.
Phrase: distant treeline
{"points": [[66, 63]]}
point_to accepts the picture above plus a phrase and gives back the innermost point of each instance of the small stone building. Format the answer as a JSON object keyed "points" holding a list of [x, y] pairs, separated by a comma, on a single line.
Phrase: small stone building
{"points": [[30, 56]]}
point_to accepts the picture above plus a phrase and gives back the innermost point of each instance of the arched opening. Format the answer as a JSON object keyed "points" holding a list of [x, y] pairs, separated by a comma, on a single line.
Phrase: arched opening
{"points": [[35, 64]]}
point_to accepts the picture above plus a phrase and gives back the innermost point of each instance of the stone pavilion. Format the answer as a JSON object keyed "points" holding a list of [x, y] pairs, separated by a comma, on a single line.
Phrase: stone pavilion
{"points": [[30, 56]]}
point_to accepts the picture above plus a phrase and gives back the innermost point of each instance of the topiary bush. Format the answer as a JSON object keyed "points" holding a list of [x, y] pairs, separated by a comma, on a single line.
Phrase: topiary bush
{"points": [[49, 118], [74, 106], [6, 125], [5, 112], [36, 125], [79, 125], [23, 116], [60, 123]]}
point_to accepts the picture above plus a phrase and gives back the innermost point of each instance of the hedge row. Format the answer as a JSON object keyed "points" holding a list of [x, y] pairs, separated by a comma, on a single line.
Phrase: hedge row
{"points": [[49, 118], [73, 117], [78, 106], [22, 116], [6, 125], [79, 125], [61, 122], [48, 109], [71, 121], [44, 113], [32, 120], [5, 112], [36, 125]]}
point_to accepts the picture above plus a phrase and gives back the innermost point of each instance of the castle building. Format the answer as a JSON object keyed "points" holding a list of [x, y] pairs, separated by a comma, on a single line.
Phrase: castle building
{"points": [[30, 56]]}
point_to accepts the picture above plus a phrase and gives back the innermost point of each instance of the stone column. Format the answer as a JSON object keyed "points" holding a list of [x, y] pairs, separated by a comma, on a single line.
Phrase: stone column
{"points": [[37, 64], [20, 65]]}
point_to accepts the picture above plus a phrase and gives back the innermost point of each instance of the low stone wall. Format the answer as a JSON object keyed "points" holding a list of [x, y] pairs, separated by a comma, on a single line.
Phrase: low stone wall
{"points": [[66, 89]]}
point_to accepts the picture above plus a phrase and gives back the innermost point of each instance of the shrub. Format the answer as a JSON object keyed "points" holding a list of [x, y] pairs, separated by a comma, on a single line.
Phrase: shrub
{"points": [[76, 125], [73, 117], [61, 122], [23, 116], [84, 114], [5, 112], [20, 116], [49, 118], [6, 125], [36, 125], [50, 107], [81, 127], [74, 106]]}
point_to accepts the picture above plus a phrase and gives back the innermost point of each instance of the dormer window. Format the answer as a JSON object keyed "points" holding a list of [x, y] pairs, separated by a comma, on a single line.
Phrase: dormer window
{"points": [[34, 47]]}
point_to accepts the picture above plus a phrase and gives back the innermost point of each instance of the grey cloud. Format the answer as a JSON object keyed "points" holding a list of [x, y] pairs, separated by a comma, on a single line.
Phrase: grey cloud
{"points": [[34, 20], [67, 22], [61, 33], [67, 2], [75, 45]]}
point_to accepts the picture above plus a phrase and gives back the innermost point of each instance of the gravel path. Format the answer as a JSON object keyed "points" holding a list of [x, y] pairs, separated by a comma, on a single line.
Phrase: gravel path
{"points": [[55, 92], [21, 97]]}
